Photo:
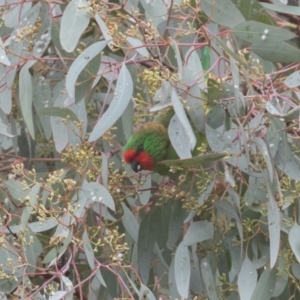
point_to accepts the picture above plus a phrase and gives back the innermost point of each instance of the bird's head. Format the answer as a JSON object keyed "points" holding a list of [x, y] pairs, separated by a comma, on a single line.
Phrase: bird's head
{"points": [[146, 147]]}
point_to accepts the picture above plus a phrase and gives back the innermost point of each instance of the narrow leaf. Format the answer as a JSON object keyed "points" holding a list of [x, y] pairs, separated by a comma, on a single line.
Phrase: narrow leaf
{"points": [[198, 232], [209, 280], [182, 268], [180, 113], [256, 32], [98, 193], [222, 12], [123, 94], [61, 112], [265, 286], [74, 21], [274, 226], [80, 63], [25, 95], [247, 279], [294, 240]]}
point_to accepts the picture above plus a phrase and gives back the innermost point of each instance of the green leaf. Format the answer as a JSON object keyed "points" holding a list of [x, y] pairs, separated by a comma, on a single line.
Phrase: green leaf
{"points": [[33, 249], [284, 158], [206, 58], [253, 10], [175, 226], [60, 112], [179, 138], [123, 94], [182, 267], [222, 12], [208, 279], [145, 293], [25, 95], [294, 235], [146, 240], [138, 46], [293, 80], [273, 225], [198, 232], [130, 223], [285, 9], [108, 38], [261, 145], [59, 129], [98, 193], [80, 63], [265, 286], [231, 53], [194, 161], [296, 270], [255, 32], [3, 58], [247, 279], [145, 191], [74, 21], [16, 13], [90, 256], [277, 52]]}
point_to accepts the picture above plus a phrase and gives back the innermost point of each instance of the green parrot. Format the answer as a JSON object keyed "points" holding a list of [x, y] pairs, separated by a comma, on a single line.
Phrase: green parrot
{"points": [[150, 145]]}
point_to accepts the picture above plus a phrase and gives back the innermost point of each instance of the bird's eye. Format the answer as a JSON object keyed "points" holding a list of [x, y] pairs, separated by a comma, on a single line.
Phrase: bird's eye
{"points": [[140, 148]]}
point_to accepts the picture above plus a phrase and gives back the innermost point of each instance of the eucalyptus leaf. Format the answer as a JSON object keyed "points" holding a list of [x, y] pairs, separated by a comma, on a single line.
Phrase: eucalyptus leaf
{"points": [[146, 240], [294, 240], [274, 226], [98, 193], [61, 112], [74, 21], [130, 223], [198, 232], [265, 286], [255, 32], [276, 52], [208, 279], [182, 268], [286, 9], [293, 80], [221, 12], [123, 94], [182, 117], [25, 95], [80, 63], [247, 279]]}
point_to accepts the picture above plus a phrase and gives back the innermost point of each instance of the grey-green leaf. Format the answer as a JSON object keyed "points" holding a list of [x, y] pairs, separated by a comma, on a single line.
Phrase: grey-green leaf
{"points": [[274, 226], [265, 286], [25, 95], [293, 80], [123, 94], [182, 268], [179, 139], [256, 32], [209, 280], [222, 12], [180, 113], [98, 193], [198, 232], [80, 63], [247, 279], [61, 112], [74, 21], [277, 52], [294, 240]]}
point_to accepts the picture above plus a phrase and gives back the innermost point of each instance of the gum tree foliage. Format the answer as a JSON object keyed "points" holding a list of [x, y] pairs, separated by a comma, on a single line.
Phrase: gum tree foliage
{"points": [[76, 78]]}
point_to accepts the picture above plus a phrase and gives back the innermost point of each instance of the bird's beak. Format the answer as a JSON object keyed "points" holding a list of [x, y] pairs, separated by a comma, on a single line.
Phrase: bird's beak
{"points": [[135, 166]]}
